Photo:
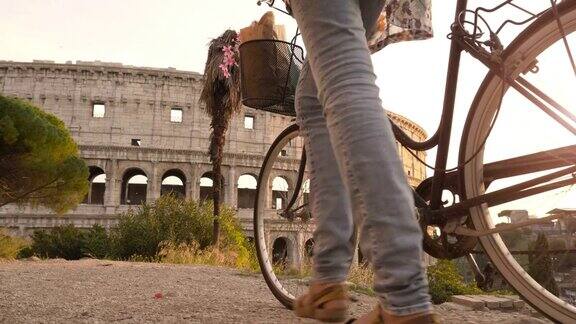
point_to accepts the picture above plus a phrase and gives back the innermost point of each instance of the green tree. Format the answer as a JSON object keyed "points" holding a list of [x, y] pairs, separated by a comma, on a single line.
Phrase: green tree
{"points": [[39, 162], [540, 264], [221, 98]]}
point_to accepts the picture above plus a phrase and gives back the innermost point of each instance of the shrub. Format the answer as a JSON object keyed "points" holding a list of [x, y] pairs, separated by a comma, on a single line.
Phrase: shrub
{"points": [[96, 242], [70, 243], [134, 235], [180, 224], [61, 242], [540, 265], [42, 244], [25, 252], [444, 281], [169, 230], [10, 246]]}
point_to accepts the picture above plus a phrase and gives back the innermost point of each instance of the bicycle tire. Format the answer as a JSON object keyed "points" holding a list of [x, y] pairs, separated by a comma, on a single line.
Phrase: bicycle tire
{"points": [[260, 231], [517, 57]]}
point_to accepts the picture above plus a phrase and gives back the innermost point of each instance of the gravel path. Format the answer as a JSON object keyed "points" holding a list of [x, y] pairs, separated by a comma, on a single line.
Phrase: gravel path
{"points": [[98, 291]]}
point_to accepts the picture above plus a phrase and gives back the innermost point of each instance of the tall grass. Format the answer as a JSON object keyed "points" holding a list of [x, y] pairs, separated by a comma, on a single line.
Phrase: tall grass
{"points": [[361, 279], [238, 257], [10, 246]]}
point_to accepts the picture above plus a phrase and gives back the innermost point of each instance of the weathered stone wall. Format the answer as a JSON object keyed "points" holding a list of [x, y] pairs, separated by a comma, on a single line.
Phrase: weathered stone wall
{"points": [[138, 103]]}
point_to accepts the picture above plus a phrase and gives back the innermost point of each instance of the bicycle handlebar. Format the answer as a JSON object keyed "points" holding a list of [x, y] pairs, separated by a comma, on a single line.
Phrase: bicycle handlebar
{"points": [[269, 2]]}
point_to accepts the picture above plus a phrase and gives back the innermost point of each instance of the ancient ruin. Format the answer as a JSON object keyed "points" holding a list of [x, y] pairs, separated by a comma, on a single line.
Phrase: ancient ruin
{"points": [[143, 134]]}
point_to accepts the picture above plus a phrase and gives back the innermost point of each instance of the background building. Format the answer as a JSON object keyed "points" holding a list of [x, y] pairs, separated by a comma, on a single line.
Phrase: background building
{"points": [[143, 133]]}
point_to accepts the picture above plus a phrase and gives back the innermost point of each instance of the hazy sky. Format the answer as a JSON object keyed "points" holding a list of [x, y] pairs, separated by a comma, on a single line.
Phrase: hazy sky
{"points": [[175, 33]]}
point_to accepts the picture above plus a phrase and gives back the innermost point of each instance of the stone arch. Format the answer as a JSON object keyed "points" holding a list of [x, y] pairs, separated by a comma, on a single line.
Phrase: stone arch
{"points": [[309, 248], [206, 183], [127, 166], [281, 251], [97, 189], [134, 187], [246, 190], [280, 192], [173, 182]]}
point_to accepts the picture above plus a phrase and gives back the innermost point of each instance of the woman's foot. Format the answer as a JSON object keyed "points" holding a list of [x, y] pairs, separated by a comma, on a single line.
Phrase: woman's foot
{"points": [[326, 302], [378, 316]]}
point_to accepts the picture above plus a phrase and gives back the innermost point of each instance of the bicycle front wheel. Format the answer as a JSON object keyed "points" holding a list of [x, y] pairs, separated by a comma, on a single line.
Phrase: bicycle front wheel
{"points": [[509, 140], [282, 222]]}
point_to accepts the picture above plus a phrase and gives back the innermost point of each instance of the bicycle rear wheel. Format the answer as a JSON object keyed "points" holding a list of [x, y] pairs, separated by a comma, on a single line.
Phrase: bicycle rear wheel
{"points": [[283, 233], [539, 262]]}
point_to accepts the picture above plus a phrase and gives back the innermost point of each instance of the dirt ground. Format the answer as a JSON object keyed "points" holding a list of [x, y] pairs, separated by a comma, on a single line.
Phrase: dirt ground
{"points": [[99, 291]]}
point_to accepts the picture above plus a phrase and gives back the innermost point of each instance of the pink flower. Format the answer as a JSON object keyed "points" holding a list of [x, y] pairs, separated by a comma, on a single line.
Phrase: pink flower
{"points": [[158, 295], [224, 69], [229, 60], [227, 49], [229, 57]]}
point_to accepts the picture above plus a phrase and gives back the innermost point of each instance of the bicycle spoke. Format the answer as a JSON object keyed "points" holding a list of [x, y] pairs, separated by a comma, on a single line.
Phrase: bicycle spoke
{"points": [[546, 98], [530, 163], [518, 191], [540, 104], [563, 33]]}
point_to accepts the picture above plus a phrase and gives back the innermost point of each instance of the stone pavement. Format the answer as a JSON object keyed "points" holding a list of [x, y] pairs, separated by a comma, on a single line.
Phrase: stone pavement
{"points": [[102, 291], [511, 304]]}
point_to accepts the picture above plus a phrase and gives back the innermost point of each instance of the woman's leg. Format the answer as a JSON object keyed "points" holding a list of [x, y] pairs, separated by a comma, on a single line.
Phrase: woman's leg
{"points": [[329, 201], [363, 142]]}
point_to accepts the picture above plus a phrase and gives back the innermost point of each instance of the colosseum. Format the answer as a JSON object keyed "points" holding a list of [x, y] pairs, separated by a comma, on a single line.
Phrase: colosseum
{"points": [[143, 133]]}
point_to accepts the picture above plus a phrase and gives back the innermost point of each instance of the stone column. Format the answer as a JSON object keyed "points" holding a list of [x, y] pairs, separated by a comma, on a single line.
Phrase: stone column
{"points": [[153, 184], [231, 188], [269, 194], [298, 250], [113, 186], [194, 183], [188, 188]]}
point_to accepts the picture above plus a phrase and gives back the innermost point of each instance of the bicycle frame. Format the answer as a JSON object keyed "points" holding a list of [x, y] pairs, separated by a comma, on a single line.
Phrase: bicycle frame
{"points": [[462, 223], [437, 214], [493, 171]]}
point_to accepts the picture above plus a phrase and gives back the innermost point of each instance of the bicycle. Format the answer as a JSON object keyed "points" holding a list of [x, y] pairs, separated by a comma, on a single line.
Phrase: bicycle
{"points": [[492, 170]]}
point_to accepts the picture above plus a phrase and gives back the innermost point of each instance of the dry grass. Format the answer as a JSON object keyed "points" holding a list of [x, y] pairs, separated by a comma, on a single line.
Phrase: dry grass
{"points": [[361, 279], [10, 246], [239, 258]]}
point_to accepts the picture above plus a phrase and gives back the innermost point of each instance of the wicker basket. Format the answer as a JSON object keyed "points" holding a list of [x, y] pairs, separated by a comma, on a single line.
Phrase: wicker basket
{"points": [[269, 74]]}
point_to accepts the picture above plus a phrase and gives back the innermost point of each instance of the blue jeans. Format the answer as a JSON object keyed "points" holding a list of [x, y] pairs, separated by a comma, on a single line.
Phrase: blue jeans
{"points": [[356, 174]]}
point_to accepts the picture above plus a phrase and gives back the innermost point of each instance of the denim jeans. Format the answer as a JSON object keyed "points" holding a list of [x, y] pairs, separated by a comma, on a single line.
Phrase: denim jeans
{"points": [[356, 176]]}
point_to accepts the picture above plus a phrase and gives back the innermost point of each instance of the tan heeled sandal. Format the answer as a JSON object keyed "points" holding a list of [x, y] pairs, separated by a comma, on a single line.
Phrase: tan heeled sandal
{"points": [[379, 316], [323, 302]]}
